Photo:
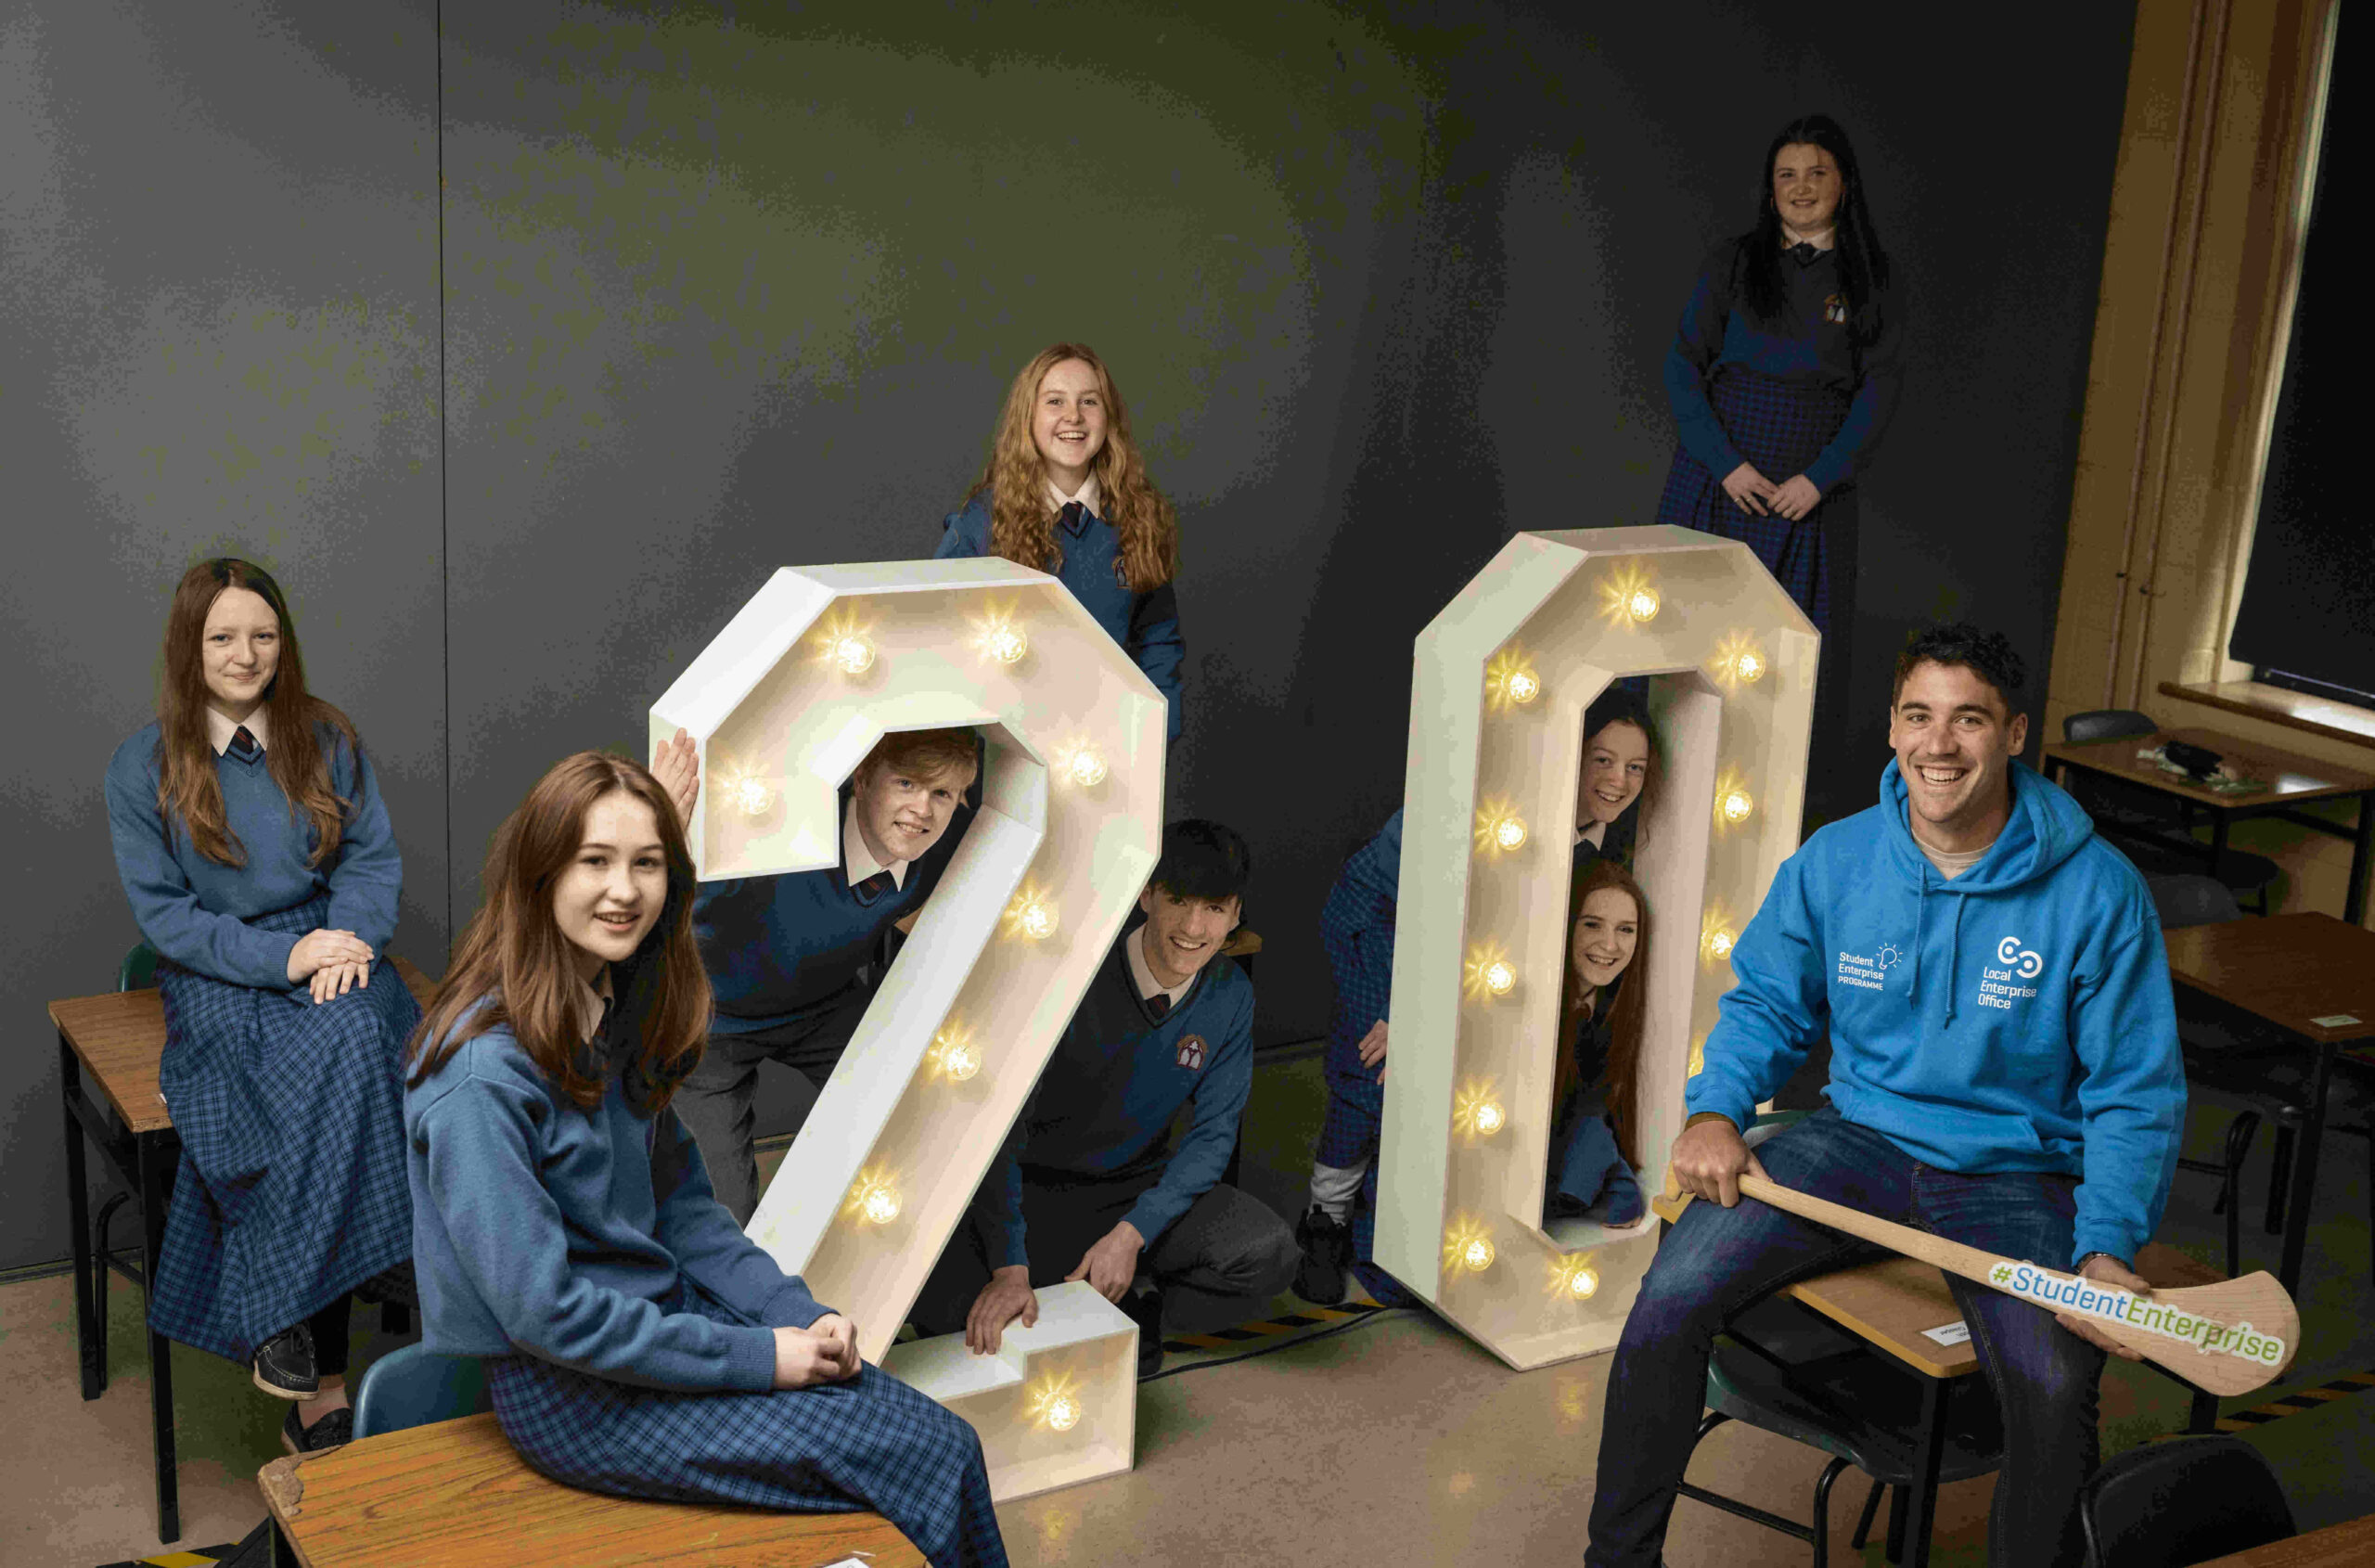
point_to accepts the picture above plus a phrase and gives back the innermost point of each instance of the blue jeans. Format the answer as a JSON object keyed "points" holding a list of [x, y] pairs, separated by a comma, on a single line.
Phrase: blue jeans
{"points": [[1717, 1261]]}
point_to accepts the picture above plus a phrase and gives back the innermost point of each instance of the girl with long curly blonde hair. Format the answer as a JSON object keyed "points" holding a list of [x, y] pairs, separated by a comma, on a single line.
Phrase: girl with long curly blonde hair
{"points": [[1066, 491]]}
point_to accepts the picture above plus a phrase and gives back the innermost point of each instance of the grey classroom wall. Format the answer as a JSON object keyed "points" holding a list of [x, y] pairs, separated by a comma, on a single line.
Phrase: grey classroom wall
{"points": [[727, 288]]}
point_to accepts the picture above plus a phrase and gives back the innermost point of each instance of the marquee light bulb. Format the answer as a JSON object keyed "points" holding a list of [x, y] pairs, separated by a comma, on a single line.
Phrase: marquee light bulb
{"points": [[954, 1053], [1697, 1060], [1476, 1256], [1524, 685], [1032, 915], [1642, 605], [1509, 833], [1053, 1403], [853, 654], [1748, 666], [1004, 642], [1509, 680], [1085, 767], [1737, 803], [1500, 978], [1574, 1276], [1490, 973], [875, 1199], [1500, 830], [1719, 943], [1468, 1246], [1477, 1112]]}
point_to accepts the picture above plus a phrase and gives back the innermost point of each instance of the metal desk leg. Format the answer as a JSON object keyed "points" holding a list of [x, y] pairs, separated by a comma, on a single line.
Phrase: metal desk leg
{"points": [[1923, 1507], [2305, 1173], [157, 1152], [2362, 845], [78, 1220], [2218, 842]]}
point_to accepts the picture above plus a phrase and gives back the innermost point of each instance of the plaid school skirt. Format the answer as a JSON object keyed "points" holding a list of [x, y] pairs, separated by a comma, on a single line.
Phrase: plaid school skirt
{"points": [[870, 1443], [1779, 428], [292, 1189]]}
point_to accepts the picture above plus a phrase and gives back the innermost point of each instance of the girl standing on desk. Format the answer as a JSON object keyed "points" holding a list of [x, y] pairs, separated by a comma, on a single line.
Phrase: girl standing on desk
{"points": [[1356, 928], [1065, 491], [259, 863], [636, 1342], [1783, 372]]}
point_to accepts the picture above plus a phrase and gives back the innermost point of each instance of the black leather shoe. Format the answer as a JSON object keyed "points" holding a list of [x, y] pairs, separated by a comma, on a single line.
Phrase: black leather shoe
{"points": [[1327, 1253], [284, 1365], [1144, 1304], [333, 1430]]}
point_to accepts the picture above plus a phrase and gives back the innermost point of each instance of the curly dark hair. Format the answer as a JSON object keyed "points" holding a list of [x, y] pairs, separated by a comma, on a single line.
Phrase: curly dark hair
{"points": [[1987, 654]]}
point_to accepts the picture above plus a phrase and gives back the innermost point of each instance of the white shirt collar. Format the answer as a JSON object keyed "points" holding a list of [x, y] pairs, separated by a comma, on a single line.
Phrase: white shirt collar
{"points": [[219, 730], [1089, 495], [857, 861], [1596, 835], [1143, 972], [589, 999]]}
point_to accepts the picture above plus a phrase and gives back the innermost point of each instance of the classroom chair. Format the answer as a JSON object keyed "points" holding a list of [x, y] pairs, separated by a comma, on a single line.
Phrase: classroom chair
{"points": [[2168, 1505], [411, 1387]]}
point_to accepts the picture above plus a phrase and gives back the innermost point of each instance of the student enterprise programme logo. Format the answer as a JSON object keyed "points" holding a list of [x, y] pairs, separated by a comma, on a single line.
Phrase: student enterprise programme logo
{"points": [[1865, 972], [2066, 1292]]}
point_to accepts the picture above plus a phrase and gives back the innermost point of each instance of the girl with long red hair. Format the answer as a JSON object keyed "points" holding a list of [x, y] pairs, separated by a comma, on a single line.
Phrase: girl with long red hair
{"points": [[1594, 1139], [259, 863], [636, 1342], [1066, 491]]}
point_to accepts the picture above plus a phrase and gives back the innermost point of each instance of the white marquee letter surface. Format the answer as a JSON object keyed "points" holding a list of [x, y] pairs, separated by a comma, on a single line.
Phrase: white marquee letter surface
{"points": [[783, 704], [1502, 679]]}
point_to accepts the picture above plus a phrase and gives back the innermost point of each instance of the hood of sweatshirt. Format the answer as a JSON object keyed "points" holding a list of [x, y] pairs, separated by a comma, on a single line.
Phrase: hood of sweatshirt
{"points": [[2045, 828]]}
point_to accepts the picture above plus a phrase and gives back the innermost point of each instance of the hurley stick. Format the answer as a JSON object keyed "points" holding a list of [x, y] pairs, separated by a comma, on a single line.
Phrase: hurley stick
{"points": [[2229, 1338]]}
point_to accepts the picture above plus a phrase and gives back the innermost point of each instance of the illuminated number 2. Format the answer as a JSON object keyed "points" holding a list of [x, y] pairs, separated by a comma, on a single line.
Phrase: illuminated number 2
{"points": [[784, 704], [1502, 679]]}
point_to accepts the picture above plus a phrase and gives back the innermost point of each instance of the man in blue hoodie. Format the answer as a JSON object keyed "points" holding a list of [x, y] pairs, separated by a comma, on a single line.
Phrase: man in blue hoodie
{"points": [[2004, 1072]]}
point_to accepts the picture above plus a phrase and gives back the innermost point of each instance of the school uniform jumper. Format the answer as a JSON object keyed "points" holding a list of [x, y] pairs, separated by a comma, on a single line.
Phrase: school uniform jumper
{"points": [[787, 958], [628, 1324], [1356, 932], [1796, 397], [1586, 1167], [292, 1186], [2004, 1072], [1088, 1152], [1146, 625]]}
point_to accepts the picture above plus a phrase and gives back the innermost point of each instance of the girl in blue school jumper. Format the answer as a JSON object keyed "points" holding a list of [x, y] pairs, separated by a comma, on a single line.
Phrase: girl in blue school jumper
{"points": [[259, 863], [1066, 491], [636, 1343], [1356, 928], [1594, 1139]]}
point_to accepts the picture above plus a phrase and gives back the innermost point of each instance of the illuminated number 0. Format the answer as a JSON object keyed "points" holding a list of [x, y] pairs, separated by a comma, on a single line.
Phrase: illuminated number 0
{"points": [[784, 704], [1502, 678]]}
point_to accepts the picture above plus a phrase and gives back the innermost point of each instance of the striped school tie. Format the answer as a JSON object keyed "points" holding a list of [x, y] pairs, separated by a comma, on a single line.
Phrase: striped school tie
{"points": [[243, 745]]}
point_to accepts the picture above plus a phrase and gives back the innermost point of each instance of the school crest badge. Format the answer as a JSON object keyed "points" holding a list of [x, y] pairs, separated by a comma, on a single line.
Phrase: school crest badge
{"points": [[1834, 310], [1191, 1052]]}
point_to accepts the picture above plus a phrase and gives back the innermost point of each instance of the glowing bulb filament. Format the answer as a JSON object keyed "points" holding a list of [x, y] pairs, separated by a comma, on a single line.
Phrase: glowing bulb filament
{"points": [[852, 654], [1508, 681], [1642, 605], [1574, 1276], [1737, 803], [875, 1200], [1489, 975], [1748, 666], [1719, 943], [1478, 1111], [1523, 687], [1509, 833], [954, 1053], [1053, 1404], [1006, 643], [1032, 915], [1085, 767], [1499, 978], [1468, 1246]]}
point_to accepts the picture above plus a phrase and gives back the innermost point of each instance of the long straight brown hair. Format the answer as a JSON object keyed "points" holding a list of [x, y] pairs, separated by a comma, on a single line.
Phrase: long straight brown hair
{"points": [[1625, 1016], [1022, 520], [514, 959], [188, 789]]}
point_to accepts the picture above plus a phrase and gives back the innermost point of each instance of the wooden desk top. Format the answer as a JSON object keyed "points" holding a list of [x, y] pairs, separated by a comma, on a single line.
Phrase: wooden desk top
{"points": [[456, 1495], [2347, 1545], [2276, 704], [2285, 969], [120, 1037], [1890, 1304], [2290, 778]]}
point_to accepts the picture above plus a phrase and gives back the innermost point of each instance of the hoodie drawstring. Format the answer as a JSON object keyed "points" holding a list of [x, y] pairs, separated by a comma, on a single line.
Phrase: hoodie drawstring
{"points": [[1954, 955]]}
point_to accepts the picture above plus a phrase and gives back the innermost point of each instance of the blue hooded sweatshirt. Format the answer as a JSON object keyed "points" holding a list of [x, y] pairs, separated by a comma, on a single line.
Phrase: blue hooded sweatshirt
{"points": [[2017, 1018]]}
